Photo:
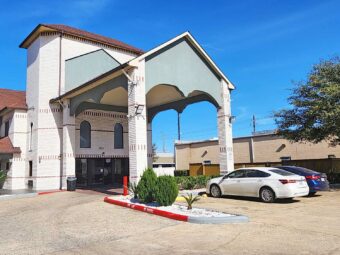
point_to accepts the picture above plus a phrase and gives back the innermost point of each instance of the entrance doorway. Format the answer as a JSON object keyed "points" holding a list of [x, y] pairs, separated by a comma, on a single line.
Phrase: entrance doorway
{"points": [[103, 171]]}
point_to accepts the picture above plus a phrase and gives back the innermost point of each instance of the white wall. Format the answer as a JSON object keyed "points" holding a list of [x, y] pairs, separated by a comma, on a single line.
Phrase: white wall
{"points": [[43, 85], [102, 135]]}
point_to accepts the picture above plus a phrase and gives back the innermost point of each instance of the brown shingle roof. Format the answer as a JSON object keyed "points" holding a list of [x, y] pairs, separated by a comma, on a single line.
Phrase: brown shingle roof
{"points": [[6, 146], [13, 99], [86, 35]]}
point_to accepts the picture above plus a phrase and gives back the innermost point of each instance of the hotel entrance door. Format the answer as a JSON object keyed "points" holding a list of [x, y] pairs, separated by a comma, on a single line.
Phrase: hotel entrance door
{"points": [[103, 171]]}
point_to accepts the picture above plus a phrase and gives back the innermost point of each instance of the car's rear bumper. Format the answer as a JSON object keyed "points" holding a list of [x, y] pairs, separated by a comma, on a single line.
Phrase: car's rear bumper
{"points": [[315, 186], [289, 192]]}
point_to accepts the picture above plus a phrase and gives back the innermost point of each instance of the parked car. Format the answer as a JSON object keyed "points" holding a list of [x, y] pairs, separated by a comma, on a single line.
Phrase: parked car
{"points": [[315, 180], [267, 183]]}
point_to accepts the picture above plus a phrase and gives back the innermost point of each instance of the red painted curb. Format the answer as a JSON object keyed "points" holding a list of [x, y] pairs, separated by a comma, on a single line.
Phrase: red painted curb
{"points": [[142, 208], [49, 192]]}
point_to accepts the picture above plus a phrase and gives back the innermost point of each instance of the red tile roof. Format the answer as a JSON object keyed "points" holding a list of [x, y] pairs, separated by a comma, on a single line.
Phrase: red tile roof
{"points": [[86, 35], [6, 146], [13, 99]]}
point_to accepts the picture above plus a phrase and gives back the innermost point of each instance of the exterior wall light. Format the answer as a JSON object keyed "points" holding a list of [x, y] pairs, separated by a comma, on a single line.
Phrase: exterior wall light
{"points": [[139, 109]]}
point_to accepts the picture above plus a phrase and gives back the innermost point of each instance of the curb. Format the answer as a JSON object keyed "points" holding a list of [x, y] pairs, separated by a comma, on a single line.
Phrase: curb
{"points": [[26, 195], [14, 196], [179, 217], [142, 208], [49, 192]]}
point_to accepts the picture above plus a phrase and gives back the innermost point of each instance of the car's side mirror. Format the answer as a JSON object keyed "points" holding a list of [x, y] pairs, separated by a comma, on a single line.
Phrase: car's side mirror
{"points": [[225, 177]]}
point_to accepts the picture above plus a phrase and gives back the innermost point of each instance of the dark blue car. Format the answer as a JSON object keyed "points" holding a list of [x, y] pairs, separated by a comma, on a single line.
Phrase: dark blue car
{"points": [[315, 180]]}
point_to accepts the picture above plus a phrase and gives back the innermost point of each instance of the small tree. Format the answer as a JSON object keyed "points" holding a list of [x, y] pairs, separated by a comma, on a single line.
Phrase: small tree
{"points": [[166, 190], [315, 112], [154, 152], [147, 186]]}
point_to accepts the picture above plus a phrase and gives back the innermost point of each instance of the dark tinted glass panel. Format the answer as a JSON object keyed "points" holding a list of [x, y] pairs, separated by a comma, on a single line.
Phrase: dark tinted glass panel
{"points": [[281, 172], [237, 174], [6, 128], [256, 174], [118, 141], [85, 135]]}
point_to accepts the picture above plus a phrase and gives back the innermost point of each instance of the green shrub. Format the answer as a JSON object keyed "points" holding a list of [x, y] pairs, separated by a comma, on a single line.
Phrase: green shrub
{"points": [[192, 182], [147, 186], [3, 177], [166, 190]]}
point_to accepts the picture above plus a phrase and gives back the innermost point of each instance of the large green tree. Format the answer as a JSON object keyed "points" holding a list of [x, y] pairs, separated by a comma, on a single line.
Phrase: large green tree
{"points": [[314, 114]]}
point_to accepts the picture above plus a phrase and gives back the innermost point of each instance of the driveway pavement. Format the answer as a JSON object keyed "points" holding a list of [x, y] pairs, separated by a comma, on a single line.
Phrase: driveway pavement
{"points": [[80, 223]]}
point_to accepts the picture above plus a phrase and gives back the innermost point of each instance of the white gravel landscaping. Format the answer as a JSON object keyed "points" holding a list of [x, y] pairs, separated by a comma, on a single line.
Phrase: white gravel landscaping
{"points": [[195, 215]]}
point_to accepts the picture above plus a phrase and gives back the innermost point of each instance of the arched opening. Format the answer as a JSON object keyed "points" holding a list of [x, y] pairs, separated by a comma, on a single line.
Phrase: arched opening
{"points": [[85, 134], [118, 136], [176, 117]]}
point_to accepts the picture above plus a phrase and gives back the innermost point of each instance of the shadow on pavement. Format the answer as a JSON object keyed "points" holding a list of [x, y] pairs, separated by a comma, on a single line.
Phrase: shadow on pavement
{"points": [[104, 189]]}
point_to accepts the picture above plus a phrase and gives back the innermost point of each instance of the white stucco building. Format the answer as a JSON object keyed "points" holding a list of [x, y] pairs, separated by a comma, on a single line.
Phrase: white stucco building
{"points": [[89, 104]]}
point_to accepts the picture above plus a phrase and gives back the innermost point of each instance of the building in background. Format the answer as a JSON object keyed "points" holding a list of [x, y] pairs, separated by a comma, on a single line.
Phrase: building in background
{"points": [[164, 163], [256, 150]]}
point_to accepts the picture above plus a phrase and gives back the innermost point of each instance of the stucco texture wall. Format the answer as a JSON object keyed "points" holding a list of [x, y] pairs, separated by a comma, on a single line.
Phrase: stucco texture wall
{"points": [[267, 148]]}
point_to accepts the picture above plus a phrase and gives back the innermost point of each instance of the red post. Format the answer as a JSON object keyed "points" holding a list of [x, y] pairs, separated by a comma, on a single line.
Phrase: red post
{"points": [[125, 185]]}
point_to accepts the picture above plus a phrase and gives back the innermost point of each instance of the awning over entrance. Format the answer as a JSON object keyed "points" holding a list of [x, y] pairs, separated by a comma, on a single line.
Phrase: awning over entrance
{"points": [[170, 76]]}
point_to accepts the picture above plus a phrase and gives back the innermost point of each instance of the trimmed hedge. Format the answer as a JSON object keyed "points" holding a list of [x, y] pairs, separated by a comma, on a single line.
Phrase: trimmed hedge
{"points": [[147, 186], [166, 190], [181, 173], [192, 182]]}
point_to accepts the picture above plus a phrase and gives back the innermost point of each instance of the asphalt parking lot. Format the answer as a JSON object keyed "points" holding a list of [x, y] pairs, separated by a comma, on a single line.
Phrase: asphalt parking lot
{"points": [[81, 223]]}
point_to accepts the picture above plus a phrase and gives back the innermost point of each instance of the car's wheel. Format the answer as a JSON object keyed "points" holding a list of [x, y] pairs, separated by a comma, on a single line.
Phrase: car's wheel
{"points": [[267, 195], [215, 191], [310, 194]]}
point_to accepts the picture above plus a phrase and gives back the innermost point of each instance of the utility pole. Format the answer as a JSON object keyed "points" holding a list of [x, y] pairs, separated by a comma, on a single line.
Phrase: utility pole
{"points": [[254, 124], [179, 125], [163, 139]]}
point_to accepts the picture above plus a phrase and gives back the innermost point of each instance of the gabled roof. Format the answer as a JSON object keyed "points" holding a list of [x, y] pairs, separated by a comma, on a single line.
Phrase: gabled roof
{"points": [[195, 44], [77, 33], [134, 62], [12, 99], [6, 146]]}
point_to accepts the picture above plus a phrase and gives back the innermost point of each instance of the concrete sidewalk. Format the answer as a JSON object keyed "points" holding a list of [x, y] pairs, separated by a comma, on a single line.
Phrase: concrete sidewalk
{"points": [[21, 193]]}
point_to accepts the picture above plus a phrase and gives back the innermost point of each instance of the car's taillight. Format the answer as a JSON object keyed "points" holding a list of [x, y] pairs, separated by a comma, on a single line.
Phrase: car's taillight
{"points": [[285, 181], [312, 177]]}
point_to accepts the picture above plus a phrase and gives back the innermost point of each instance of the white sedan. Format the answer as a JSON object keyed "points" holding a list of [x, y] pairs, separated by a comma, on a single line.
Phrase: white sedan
{"points": [[267, 183]]}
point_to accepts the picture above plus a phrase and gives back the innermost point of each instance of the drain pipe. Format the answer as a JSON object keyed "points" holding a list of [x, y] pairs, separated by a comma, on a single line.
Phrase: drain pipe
{"points": [[60, 50]]}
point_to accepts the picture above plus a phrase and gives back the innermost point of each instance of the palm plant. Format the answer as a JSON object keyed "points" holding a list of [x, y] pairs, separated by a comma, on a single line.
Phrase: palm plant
{"points": [[133, 188], [190, 199]]}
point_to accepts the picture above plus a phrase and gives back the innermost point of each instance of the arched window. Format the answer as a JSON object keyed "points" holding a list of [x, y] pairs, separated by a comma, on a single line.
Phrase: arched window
{"points": [[119, 143], [85, 134]]}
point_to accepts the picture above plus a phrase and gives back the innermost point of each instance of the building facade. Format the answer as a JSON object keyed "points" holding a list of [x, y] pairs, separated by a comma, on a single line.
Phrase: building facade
{"points": [[252, 150], [89, 104]]}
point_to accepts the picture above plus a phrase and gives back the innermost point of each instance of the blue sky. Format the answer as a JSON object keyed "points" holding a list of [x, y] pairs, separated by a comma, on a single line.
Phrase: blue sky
{"points": [[262, 46]]}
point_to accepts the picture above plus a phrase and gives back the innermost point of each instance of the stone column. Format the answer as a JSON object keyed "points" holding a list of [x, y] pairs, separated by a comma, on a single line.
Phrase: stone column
{"points": [[137, 124], [225, 139], [149, 145], [68, 155]]}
